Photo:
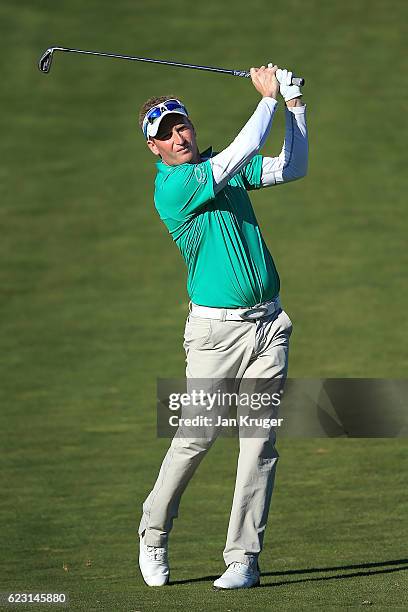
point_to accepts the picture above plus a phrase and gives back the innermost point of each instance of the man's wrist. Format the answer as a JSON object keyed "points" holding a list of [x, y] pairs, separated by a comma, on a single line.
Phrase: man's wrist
{"points": [[269, 101], [294, 102]]}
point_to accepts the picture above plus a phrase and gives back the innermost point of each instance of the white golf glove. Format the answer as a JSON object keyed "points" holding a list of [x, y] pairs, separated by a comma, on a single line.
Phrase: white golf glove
{"points": [[287, 90]]}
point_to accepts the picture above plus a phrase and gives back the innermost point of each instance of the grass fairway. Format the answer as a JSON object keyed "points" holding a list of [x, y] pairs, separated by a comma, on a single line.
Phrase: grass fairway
{"points": [[93, 299]]}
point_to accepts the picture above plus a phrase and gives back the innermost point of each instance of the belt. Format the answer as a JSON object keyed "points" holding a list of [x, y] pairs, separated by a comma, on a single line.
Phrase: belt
{"points": [[237, 314]]}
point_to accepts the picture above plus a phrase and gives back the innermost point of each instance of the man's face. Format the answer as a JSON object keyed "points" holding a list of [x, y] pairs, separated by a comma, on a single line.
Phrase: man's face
{"points": [[175, 141]]}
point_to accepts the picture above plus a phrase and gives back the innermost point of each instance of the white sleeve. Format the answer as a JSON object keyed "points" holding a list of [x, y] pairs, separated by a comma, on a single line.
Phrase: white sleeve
{"points": [[246, 145], [292, 161]]}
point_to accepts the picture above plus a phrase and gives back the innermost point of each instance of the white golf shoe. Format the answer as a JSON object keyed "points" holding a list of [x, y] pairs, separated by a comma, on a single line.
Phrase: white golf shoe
{"points": [[153, 564], [238, 576]]}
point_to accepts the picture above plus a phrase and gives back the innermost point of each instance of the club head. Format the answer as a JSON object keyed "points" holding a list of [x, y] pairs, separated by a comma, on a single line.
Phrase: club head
{"points": [[45, 60]]}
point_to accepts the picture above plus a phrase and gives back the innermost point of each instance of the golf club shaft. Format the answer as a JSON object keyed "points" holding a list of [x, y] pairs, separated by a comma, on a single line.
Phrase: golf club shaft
{"points": [[45, 63]]}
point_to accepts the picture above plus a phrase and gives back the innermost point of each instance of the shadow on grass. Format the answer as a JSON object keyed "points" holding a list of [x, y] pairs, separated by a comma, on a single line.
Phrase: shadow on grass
{"points": [[399, 565]]}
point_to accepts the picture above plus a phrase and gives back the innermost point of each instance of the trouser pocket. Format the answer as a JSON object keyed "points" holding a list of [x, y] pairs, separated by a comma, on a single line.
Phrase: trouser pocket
{"points": [[197, 332]]}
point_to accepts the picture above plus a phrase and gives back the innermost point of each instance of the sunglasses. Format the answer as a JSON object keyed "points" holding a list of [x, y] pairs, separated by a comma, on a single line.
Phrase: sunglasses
{"points": [[157, 111]]}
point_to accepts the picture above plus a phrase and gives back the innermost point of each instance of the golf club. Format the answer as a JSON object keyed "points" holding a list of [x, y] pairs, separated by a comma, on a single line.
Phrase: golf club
{"points": [[46, 59]]}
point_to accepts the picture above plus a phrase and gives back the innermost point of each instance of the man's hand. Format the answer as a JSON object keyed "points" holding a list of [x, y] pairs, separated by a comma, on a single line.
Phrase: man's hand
{"points": [[288, 91], [265, 81]]}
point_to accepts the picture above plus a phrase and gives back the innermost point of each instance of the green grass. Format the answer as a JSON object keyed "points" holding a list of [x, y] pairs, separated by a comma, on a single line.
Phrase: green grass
{"points": [[93, 298]]}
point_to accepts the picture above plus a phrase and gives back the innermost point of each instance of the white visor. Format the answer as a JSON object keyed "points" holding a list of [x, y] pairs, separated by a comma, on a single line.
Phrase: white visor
{"points": [[151, 129]]}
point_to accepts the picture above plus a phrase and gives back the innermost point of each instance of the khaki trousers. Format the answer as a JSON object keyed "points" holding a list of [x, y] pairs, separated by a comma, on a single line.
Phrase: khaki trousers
{"points": [[225, 349]]}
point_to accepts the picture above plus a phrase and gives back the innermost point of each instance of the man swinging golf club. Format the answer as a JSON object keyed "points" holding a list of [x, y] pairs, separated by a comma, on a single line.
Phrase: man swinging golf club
{"points": [[236, 328]]}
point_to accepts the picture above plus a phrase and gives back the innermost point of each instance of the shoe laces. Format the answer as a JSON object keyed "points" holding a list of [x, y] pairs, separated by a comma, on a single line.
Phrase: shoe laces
{"points": [[242, 567], [155, 553]]}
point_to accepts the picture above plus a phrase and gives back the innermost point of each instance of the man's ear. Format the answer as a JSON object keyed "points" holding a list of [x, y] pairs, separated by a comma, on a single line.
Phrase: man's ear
{"points": [[152, 146], [192, 127]]}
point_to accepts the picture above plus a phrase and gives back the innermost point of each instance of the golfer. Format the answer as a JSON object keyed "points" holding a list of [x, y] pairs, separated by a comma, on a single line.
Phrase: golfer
{"points": [[236, 328]]}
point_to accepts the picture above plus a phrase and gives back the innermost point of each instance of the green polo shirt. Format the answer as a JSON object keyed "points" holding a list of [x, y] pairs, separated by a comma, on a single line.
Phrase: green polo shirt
{"points": [[228, 262]]}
